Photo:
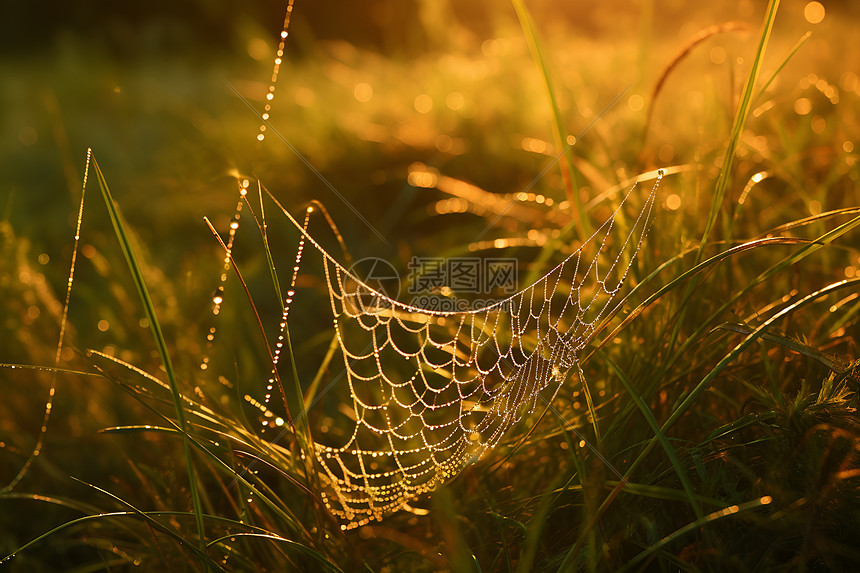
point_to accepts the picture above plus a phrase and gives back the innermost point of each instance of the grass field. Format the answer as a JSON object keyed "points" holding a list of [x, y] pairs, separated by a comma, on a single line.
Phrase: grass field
{"points": [[713, 425]]}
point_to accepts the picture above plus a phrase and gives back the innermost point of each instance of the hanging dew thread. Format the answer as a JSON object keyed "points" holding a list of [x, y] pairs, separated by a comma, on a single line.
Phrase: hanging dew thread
{"points": [[279, 55], [434, 391], [64, 320], [288, 301], [218, 296]]}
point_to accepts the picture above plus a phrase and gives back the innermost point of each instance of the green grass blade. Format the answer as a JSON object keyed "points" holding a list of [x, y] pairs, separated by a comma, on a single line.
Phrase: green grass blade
{"points": [[776, 72], [238, 476], [752, 337], [659, 434], [793, 345], [737, 127], [808, 249], [161, 344], [731, 510], [316, 555], [566, 166], [270, 262], [87, 518], [200, 551]]}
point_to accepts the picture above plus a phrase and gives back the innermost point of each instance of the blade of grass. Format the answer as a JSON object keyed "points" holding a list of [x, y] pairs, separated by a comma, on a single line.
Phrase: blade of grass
{"points": [[238, 476], [170, 531], [661, 436], [68, 524], [256, 315], [49, 405], [728, 359], [566, 166], [301, 427], [808, 248], [737, 127], [776, 72], [265, 235], [724, 175], [751, 337], [731, 510], [161, 344], [327, 565], [685, 51], [534, 533], [793, 345]]}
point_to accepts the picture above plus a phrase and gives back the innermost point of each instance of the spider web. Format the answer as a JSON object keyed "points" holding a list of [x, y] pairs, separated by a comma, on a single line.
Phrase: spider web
{"points": [[433, 391]]}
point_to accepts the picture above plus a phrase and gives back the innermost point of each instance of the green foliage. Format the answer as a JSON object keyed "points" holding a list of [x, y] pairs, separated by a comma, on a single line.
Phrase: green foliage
{"points": [[714, 425]]}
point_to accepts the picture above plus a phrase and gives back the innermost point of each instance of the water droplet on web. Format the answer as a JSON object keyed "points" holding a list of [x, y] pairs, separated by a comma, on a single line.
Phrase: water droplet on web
{"points": [[276, 69]]}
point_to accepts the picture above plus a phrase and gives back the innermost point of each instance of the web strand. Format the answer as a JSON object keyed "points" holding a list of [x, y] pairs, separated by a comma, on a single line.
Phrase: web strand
{"points": [[64, 323], [433, 391]]}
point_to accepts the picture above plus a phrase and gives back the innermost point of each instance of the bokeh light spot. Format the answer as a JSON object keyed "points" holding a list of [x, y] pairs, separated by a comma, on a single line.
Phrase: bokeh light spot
{"points": [[814, 12], [444, 143], [718, 54], [455, 100], [802, 106], [818, 124], [534, 145], [423, 103], [363, 92], [258, 49], [490, 47]]}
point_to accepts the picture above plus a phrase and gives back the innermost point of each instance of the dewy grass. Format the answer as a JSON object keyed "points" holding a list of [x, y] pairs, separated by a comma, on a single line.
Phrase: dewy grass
{"points": [[161, 345], [562, 145], [738, 126], [722, 389]]}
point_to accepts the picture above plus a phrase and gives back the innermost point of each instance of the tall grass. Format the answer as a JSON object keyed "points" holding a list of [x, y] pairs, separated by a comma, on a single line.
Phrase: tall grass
{"points": [[712, 425]]}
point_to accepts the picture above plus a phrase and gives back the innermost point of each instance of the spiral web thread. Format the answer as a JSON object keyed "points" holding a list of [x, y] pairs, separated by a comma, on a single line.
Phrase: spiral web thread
{"points": [[433, 391]]}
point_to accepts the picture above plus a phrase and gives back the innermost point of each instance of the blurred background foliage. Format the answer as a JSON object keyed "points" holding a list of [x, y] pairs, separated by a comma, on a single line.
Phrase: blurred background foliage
{"points": [[366, 90]]}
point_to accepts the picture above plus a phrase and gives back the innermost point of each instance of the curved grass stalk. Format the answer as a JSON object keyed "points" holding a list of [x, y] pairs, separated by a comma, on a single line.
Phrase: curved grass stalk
{"points": [[566, 166], [238, 477], [737, 127], [46, 418], [161, 344], [658, 433], [726, 512], [328, 565], [256, 315]]}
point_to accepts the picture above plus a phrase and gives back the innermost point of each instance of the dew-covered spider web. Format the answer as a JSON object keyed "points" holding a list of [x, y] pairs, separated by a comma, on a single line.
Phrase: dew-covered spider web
{"points": [[433, 391]]}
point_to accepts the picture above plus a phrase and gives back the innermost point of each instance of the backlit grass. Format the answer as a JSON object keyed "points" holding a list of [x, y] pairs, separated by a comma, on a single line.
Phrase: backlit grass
{"points": [[715, 427]]}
